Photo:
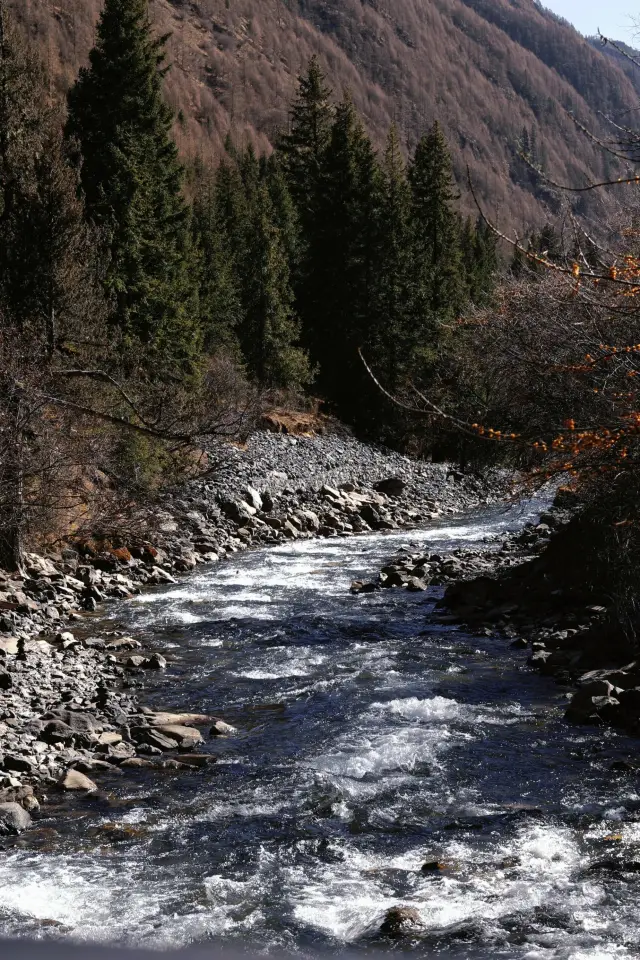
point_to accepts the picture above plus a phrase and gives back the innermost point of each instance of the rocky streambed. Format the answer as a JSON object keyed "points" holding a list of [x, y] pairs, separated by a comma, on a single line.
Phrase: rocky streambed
{"points": [[392, 776], [69, 709]]}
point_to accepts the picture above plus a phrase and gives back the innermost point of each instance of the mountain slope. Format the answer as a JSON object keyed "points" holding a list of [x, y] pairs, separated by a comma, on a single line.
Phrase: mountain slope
{"points": [[492, 71]]}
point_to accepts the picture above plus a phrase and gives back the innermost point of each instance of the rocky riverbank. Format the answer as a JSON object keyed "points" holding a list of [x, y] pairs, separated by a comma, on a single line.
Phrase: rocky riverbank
{"points": [[68, 712], [570, 633], [417, 572]]}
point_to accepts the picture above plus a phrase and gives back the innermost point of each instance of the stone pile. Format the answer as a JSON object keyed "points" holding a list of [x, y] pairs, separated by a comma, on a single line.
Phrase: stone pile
{"points": [[416, 572]]}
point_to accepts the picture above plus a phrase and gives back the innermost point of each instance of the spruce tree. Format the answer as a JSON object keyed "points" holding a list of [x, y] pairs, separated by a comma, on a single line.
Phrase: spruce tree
{"points": [[220, 298], [301, 156], [343, 245], [132, 184], [270, 330], [486, 262], [285, 213], [394, 321], [478, 244], [436, 225], [303, 149]]}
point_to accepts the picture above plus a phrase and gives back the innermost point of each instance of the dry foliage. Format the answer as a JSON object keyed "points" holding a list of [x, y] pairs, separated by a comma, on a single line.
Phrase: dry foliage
{"points": [[486, 69]]}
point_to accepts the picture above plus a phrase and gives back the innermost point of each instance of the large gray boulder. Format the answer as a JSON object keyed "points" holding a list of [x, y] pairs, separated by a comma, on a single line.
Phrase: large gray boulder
{"points": [[13, 819], [253, 498], [75, 781]]}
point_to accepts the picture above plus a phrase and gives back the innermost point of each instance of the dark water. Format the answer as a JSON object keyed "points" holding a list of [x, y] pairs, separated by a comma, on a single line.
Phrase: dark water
{"points": [[371, 739]]}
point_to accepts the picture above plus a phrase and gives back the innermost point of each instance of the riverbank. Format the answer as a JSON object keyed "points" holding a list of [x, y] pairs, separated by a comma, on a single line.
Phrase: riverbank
{"points": [[569, 632], [68, 708]]}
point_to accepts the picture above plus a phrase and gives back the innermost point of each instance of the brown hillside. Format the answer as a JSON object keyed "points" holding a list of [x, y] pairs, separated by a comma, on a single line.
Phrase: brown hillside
{"points": [[487, 69]]}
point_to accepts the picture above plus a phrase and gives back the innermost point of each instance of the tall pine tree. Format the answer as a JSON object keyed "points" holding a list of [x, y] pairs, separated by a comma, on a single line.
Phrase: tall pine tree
{"points": [[436, 226], [480, 259], [270, 330], [132, 183], [394, 320], [220, 299], [343, 244], [303, 148]]}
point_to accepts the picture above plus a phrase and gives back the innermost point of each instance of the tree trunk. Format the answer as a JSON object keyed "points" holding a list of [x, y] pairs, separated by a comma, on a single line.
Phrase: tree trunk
{"points": [[11, 553], [12, 508]]}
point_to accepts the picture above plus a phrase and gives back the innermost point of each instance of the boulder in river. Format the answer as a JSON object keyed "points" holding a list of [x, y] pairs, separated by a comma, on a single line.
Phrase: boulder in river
{"points": [[184, 719], [360, 586], [185, 736], [401, 922], [221, 729], [13, 818], [152, 737], [414, 585], [74, 780], [433, 868]]}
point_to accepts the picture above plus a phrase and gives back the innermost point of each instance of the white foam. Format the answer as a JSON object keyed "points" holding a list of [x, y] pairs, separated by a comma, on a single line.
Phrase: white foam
{"points": [[436, 709], [401, 749], [272, 674], [237, 612], [98, 901], [182, 593]]}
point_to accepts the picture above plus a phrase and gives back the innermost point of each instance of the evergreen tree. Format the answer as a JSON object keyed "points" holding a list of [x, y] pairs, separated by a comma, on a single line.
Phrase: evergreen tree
{"points": [[342, 254], [254, 236], [436, 225], [394, 321], [480, 259], [132, 180], [303, 149], [301, 156], [270, 330], [233, 209], [394, 336], [285, 212], [220, 298]]}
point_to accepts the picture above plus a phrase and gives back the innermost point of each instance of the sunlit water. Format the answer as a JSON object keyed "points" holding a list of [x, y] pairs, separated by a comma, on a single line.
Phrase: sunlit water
{"points": [[371, 739]]}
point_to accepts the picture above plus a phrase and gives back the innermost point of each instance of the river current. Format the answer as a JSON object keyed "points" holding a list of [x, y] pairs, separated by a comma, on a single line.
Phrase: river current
{"points": [[371, 739]]}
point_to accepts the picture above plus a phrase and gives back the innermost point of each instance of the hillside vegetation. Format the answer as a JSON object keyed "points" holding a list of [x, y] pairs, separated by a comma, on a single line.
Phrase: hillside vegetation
{"points": [[492, 72]]}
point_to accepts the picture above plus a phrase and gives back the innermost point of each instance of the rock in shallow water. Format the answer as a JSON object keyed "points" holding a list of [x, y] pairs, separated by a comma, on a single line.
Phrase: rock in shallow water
{"points": [[401, 922], [185, 736], [13, 818], [74, 780], [221, 729]]}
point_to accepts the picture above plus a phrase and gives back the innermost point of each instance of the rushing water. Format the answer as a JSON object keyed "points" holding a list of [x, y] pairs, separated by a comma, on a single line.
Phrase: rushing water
{"points": [[371, 739]]}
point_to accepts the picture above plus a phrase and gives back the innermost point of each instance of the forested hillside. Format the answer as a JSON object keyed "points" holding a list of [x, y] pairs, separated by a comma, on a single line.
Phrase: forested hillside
{"points": [[492, 72]]}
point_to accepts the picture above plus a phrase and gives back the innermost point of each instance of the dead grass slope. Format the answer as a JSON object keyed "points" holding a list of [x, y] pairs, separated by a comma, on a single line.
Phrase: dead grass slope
{"points": [[487, 69]]}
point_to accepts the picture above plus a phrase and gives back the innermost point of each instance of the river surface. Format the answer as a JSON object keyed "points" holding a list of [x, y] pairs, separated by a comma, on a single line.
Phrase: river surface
{"points": [[371, 739]]}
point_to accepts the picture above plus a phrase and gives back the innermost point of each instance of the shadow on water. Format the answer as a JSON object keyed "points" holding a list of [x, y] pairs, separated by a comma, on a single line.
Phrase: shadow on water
{"points": [[372, 740]]}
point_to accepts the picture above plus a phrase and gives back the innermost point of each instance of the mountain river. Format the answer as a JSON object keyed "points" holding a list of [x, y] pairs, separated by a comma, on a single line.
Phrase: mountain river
{"points": [[371, 739]]}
